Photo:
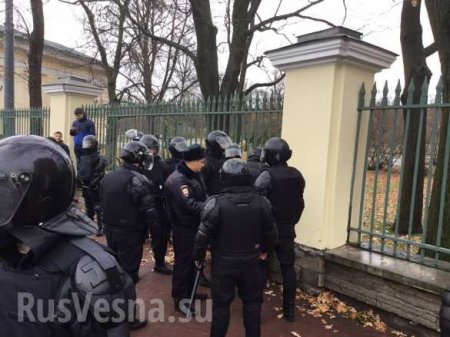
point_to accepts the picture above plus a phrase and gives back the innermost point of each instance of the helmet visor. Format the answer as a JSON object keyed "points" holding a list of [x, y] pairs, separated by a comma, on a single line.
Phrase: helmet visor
{"points": [[13, 188], [180, 146], [132, 134], [224, 142]]}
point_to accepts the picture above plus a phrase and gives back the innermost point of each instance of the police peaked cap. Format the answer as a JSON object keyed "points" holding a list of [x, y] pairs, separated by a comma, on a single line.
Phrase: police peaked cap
{"points": [[194, 152]]}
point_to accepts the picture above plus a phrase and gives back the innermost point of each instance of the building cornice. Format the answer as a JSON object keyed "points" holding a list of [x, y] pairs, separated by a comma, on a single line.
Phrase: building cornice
{"points": [[331, 50], [71, 85]]}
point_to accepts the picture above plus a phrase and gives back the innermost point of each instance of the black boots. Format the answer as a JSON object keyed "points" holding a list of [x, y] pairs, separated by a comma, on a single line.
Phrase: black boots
{"points": [[289, 311]]}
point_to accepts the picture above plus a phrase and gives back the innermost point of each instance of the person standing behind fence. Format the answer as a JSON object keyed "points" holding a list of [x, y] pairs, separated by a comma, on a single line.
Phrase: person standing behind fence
{"points": [[158, 175], [91, 172], [283, 186], [80, 128], [58, 136]]}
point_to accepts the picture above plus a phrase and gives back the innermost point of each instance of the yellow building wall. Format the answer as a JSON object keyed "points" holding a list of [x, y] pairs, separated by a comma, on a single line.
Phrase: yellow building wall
{"points": [[52, 68]]}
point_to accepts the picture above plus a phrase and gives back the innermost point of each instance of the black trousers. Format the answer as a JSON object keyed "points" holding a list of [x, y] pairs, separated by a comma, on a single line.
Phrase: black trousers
{"points": [[92, 202], [183, 276], [129, 247], [160, 240], [228, 274], [286, 256]]}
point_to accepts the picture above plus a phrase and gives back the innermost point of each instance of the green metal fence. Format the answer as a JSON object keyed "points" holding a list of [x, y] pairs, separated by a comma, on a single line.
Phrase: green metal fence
{"points": [[25, 121], [249, 122], [389, 132]]}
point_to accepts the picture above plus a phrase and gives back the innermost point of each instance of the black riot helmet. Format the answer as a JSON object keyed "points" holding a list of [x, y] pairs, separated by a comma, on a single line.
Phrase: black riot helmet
{"points": [[276, 150], [216, 143], [233, 151], [90, 144], [133, 134], [37, 181], [235, 172], [150, 141], [137, 153], [255, 155], [177, 146]]}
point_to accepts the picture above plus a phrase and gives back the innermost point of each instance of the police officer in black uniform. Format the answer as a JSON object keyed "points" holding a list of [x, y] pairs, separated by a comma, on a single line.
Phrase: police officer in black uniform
{"points": [[233, 151], [284, 186], [216, 143], [444, 314], [91, 172], [45, 254], [254, 163], [177, 146], [133, 134], [129, 208], [158, 175], [240, 226], [185, 195]]}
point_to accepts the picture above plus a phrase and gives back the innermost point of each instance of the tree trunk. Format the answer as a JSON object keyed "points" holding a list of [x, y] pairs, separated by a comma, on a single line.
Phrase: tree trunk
{"points": [[206, 62], [439, 14], [35, 66], [416, 70]]}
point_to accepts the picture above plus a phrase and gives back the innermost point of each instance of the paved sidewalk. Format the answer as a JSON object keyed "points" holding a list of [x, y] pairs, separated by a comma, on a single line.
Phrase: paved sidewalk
{"points": [[155, 286]]}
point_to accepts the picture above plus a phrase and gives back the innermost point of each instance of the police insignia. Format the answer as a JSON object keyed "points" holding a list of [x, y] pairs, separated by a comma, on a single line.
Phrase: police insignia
{"points": [[185, 190]]}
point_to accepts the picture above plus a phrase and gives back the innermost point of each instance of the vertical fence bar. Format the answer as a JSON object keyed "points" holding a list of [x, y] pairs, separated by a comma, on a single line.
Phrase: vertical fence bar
{"points": [[361, 103]]}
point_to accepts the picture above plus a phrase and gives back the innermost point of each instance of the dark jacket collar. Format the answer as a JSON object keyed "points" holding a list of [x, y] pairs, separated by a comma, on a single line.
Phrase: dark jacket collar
{"points": [[131, 167], [282, 164], [237, 189], [183, 169]]}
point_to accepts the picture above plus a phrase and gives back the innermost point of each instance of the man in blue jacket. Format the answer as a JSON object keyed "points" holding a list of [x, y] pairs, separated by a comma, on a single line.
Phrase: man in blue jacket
{"points": [[81, 127]]}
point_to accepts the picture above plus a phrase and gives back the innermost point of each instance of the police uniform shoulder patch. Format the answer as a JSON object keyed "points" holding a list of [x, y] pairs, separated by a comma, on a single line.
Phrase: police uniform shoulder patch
{"points": [[184, 190]]}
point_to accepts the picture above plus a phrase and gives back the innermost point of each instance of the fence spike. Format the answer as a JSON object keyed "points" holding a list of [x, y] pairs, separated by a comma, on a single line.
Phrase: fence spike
{"points": [[384, 100], [398, 92], [373, 94], [411, 89], [439, 91], [424, 92]]}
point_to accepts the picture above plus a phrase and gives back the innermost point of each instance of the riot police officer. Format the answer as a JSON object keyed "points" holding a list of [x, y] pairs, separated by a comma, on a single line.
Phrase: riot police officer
{"points": [[185, 195], [233, 151], [216, 143], [133, 134], [91, 172], [284, 186], [177, 146], [254, 163], [158, 175], [45, 254], [129, 208], [444, 314], [240, 226]]}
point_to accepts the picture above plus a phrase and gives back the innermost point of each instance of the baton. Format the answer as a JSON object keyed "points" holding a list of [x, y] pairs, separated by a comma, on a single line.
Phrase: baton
{"points": [[194, 291]]}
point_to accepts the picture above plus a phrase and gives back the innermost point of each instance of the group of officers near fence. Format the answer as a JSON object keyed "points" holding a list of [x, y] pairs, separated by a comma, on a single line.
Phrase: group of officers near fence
{"points": [[199, 198]]}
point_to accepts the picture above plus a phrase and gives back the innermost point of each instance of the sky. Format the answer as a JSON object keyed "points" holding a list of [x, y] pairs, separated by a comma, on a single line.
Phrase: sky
{"points": [[378, 20]]}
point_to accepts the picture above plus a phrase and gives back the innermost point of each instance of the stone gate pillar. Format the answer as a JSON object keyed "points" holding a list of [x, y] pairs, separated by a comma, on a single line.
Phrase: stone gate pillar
{"points": [[324, 72], [66, 94]]}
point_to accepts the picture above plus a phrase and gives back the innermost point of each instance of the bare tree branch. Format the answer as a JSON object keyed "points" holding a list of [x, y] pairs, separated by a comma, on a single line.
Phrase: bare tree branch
{"points": [[263, 24], [345, 12], [161, 39], [430, 50], [260, 85]]}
